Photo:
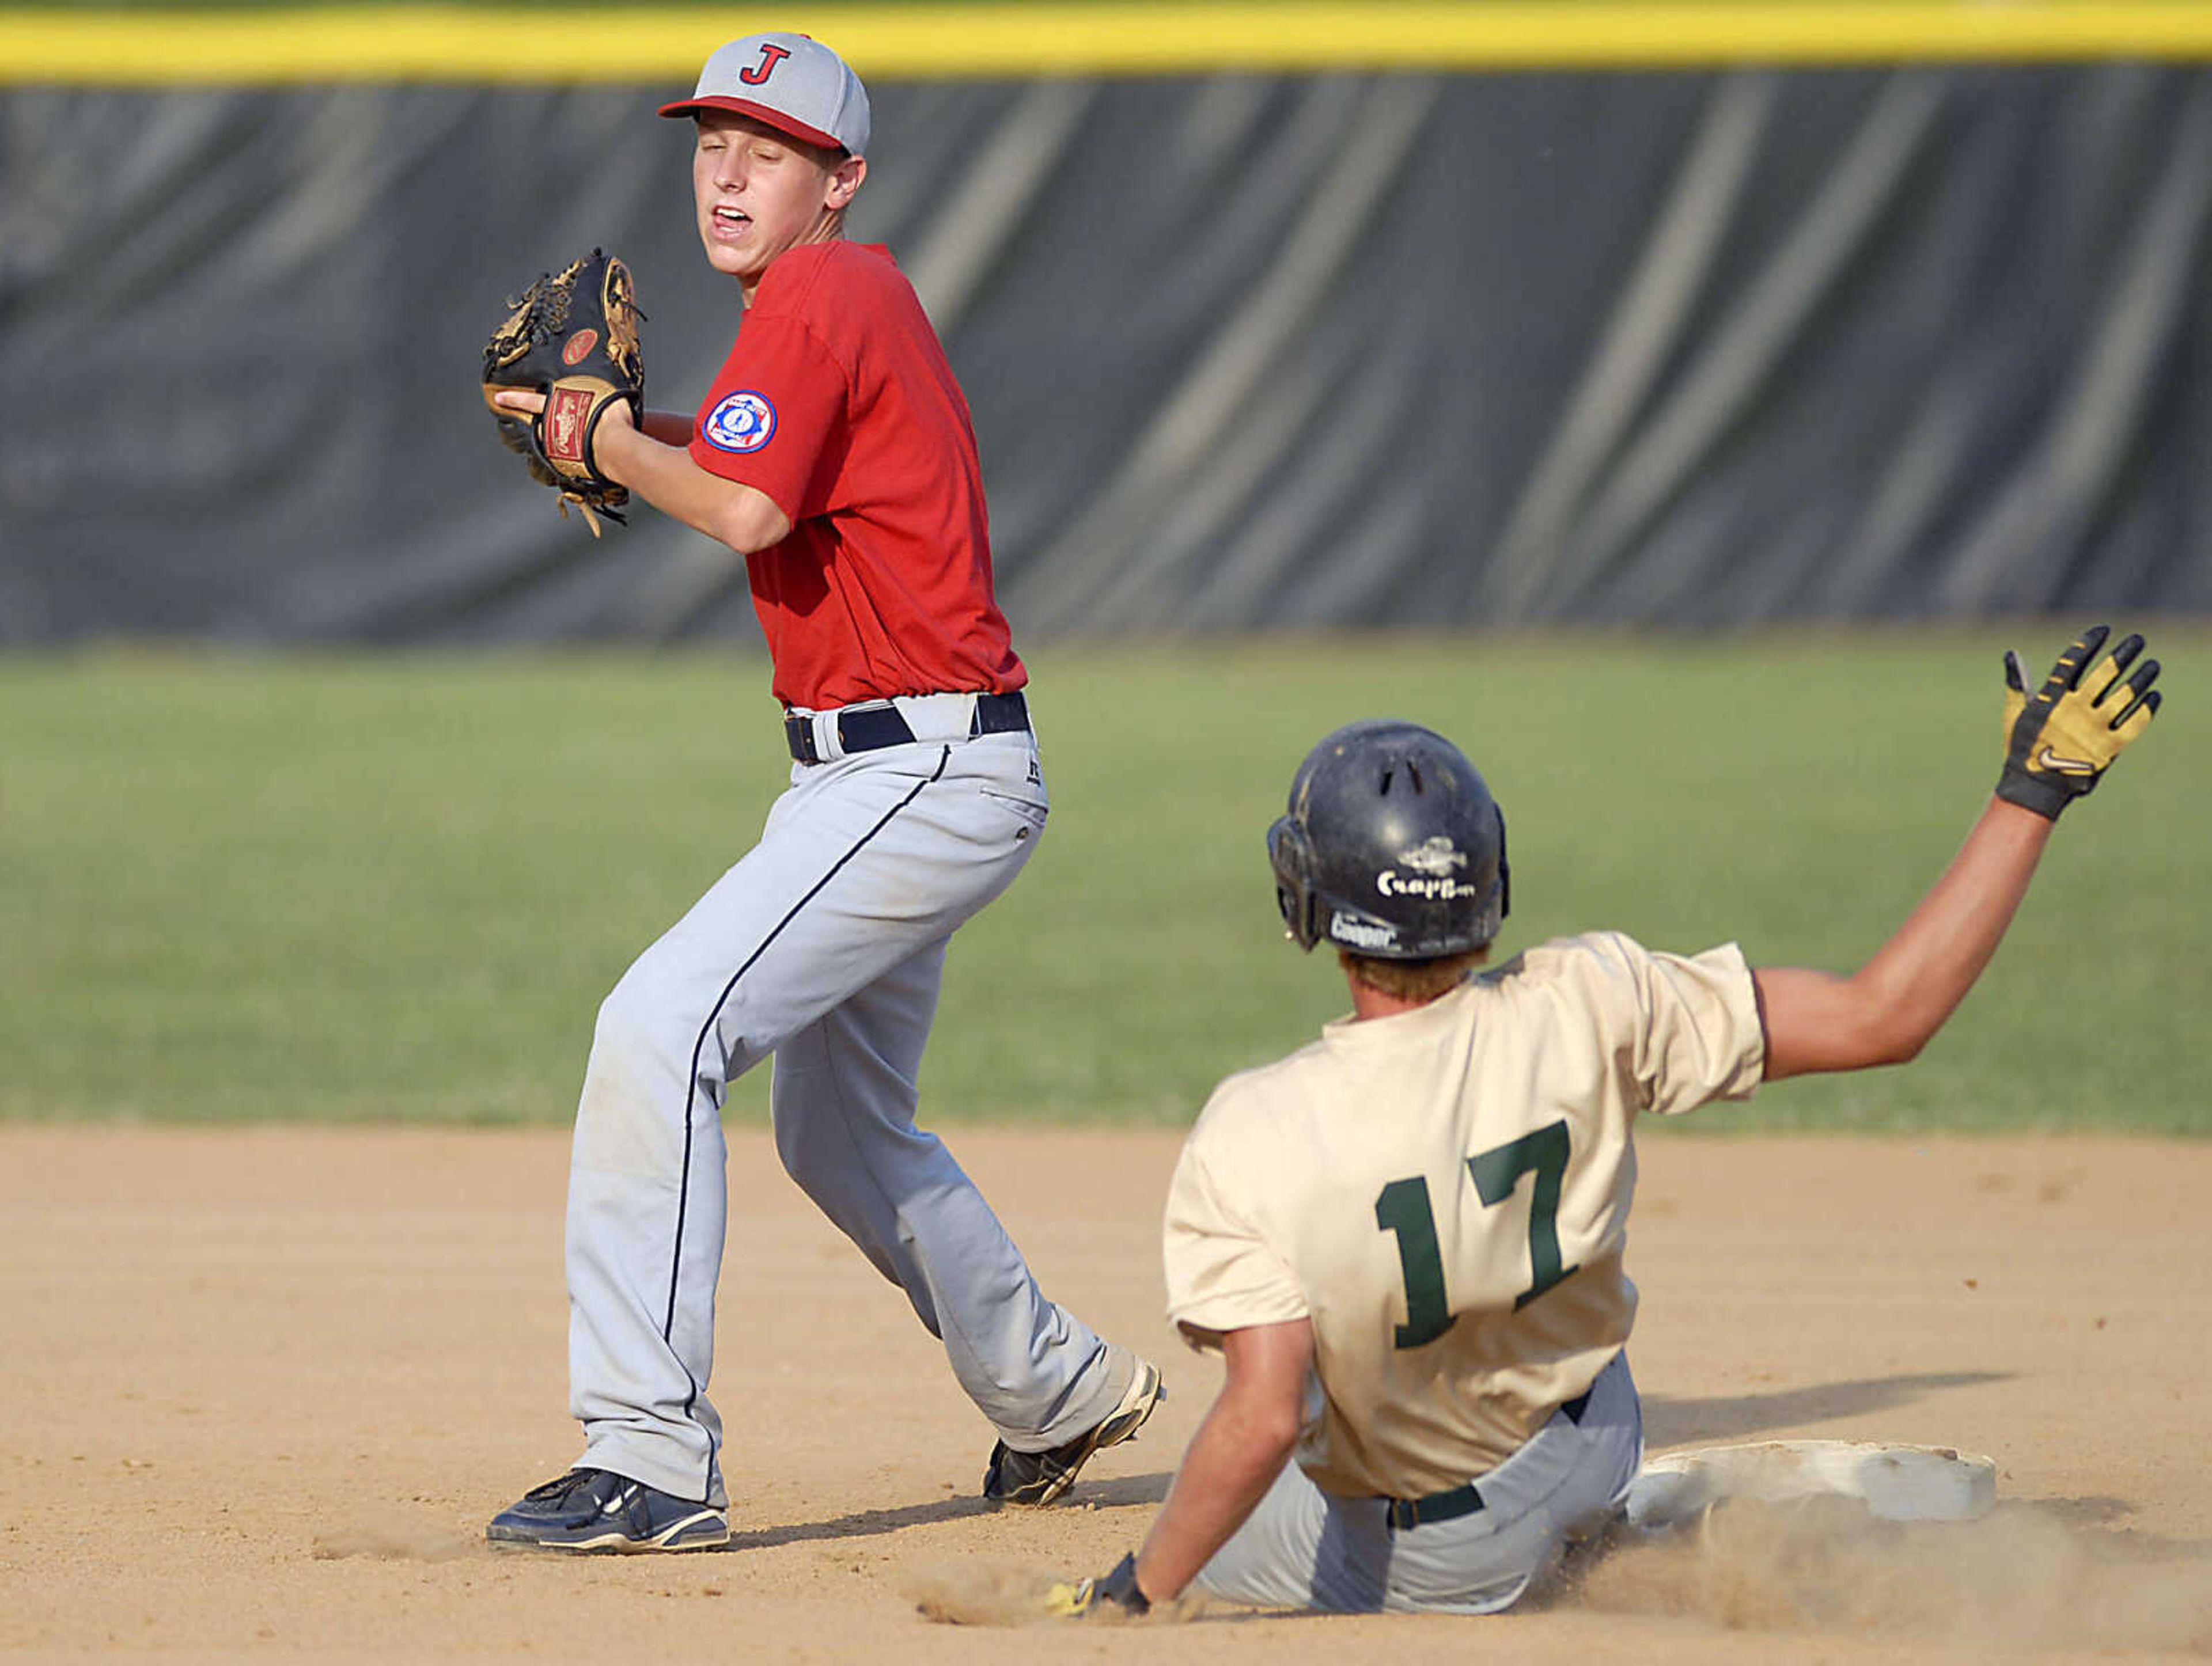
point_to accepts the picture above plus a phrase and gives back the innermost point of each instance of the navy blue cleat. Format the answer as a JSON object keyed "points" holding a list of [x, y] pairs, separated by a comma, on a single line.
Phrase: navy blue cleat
{"points": [[1034, 1478], [597, 1510]]}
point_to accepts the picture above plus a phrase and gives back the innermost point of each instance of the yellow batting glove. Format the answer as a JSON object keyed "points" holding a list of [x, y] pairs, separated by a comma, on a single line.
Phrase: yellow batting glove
{"points": [[1118, 1592], [1071, 1602], [2060, 740]]}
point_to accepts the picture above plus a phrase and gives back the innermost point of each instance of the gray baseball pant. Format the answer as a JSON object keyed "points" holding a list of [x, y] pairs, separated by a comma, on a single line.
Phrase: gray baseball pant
{"points": [[1305, 1549], [823, 946]]}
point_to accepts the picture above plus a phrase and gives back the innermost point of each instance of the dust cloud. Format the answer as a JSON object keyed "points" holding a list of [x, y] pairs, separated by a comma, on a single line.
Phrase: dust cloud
{"points": [[981, 1595], [392, 1536], [2017, 1579], [960, 1594]]}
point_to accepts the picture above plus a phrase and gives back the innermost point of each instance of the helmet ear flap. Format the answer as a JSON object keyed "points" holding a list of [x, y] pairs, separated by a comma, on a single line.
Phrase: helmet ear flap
{"points": [[1289, 853]]}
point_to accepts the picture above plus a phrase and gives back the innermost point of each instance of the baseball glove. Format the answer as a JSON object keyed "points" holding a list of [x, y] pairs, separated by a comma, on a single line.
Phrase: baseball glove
{"points": [[573, 337], [2060, 740]]}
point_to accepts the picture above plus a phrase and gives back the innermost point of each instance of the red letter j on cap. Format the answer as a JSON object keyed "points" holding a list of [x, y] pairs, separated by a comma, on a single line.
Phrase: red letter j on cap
{"points": [[771, 55]]}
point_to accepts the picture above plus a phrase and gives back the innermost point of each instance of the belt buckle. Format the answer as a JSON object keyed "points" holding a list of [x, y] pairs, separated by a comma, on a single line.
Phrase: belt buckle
{"points": [[799, 736]]}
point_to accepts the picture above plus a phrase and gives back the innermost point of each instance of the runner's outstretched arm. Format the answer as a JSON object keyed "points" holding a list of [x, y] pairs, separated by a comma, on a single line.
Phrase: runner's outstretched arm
{"points": [[2059, 742]]}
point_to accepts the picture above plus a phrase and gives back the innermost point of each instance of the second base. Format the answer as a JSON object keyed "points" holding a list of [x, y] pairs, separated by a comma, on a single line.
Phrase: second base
{"points": [[1896, 1483]]}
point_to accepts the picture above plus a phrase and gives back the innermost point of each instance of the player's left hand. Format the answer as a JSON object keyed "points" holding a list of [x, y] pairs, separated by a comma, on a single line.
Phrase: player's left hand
{"points": [[567, 361], [1117, 1593], [2060, 740]]}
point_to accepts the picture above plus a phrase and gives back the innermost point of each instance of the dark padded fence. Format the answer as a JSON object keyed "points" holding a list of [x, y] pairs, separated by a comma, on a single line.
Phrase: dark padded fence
{"points": [[1244, 352]]}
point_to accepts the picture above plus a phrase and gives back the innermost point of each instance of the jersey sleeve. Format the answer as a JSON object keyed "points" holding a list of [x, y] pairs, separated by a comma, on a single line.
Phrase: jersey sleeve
{"points": [[773, 412], [1698, 1034], [1221, 1274]]}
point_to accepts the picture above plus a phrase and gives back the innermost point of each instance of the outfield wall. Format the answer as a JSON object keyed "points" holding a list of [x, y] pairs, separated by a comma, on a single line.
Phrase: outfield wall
{"points": [[1466, 340]]}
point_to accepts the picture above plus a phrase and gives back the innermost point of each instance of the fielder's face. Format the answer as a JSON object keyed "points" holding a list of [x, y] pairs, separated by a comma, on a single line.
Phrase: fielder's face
{"points": [[760, 192]]}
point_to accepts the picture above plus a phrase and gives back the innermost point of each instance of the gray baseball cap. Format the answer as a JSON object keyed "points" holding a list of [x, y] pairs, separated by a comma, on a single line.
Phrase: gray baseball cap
{"points": [[792, 82]]}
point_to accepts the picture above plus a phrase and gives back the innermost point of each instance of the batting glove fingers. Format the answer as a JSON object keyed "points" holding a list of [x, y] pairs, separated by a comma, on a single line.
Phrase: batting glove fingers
{"points": [[2060, 740]]}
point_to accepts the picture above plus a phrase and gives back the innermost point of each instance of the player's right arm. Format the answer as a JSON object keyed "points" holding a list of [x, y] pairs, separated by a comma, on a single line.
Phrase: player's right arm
{"points": [[1247, 1435], [2059, 744], [655, 464], [662, 472]]}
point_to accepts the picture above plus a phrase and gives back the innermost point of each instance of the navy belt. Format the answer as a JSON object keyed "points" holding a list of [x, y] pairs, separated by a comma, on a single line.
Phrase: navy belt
{"points": [[1460, 1500], [865, 728]]}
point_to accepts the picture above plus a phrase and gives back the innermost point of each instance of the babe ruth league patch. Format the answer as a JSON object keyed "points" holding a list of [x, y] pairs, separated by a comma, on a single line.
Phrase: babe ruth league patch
{"points": [[745, 421]]}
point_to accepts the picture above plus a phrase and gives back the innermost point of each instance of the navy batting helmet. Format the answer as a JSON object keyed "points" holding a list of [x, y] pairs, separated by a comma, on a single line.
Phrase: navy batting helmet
{"points": [[1392, 847]]}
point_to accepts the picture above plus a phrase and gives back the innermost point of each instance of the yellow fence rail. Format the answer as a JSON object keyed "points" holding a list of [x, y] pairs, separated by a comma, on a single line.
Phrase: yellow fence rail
{"points": [[648, 43]]}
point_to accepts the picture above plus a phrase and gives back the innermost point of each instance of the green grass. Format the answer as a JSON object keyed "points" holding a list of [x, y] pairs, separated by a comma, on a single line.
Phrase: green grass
{"points": [[361, 889]]}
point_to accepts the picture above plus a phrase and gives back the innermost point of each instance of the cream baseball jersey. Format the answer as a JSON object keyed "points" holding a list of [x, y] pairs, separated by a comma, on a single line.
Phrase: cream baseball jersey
{"points": [[1444, 1194]]}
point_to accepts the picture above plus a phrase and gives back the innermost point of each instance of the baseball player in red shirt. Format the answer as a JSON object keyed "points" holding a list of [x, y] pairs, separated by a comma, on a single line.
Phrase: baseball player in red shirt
{"points": [[836, 453]]}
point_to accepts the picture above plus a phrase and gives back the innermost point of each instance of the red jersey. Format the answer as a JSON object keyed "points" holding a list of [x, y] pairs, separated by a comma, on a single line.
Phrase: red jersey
{"points": [[837, 401]]}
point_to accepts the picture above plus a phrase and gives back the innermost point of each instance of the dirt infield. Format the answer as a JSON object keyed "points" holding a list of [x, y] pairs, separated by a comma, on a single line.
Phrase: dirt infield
{"points": [[263, 1388]]}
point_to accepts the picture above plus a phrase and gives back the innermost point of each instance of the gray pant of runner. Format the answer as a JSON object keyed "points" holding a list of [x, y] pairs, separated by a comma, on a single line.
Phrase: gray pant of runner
{"points": [[1306, 1549], [823, 946]]}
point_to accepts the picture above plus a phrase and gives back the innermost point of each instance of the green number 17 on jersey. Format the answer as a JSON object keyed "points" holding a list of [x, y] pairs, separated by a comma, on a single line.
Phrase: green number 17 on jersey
{"points": [[1403, 1207]]}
